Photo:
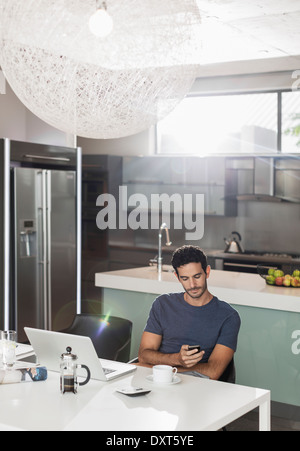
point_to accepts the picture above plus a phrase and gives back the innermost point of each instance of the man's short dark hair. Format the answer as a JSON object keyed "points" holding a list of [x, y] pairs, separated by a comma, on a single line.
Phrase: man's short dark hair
{"points": [[189, 254]]}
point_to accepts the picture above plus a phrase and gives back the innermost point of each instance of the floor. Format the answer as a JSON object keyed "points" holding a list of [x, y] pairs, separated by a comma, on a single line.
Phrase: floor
{"points": [[250, 422]]}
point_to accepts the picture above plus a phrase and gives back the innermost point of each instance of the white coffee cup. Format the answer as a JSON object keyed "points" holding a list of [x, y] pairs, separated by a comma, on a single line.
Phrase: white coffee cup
{"points": [[164, 374]]}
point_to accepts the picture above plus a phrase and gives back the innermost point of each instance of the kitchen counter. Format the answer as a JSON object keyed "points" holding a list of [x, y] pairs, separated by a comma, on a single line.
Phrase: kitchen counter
{"points": [[235, 288]]}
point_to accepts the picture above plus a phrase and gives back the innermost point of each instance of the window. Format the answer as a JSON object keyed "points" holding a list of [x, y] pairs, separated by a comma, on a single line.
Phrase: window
{"points": [[239, 123], [291, 122]]}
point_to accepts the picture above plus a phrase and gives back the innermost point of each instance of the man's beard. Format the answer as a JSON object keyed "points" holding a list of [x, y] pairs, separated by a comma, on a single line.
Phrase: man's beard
{"points": [[200, 294]]}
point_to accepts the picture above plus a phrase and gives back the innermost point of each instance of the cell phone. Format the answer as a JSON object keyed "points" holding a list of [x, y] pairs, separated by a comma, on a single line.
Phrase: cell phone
{"points": [[198, 347], [131, 391]]}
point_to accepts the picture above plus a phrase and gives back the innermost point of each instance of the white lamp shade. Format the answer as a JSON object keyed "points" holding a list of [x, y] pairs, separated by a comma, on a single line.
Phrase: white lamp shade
{"points": [[107, 87]]}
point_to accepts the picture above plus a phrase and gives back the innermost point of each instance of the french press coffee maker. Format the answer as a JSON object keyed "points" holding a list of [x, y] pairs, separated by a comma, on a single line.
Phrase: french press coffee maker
{"points": [[68, 373]]}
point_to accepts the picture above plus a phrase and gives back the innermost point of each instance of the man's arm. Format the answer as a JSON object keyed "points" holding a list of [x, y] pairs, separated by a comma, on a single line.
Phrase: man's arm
{"points": [[185, 360], [216, 365], [149, 354]]}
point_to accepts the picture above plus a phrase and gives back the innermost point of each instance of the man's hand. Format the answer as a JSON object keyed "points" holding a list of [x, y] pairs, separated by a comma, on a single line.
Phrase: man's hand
{"points": [[188, 359]]}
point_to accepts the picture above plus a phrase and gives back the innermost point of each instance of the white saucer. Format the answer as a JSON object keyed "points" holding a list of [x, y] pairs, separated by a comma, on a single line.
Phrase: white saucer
{"points": [[176, 380]]}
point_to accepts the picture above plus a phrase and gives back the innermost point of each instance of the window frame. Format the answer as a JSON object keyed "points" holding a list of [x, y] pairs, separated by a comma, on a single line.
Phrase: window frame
{"points": [[276, 78]]}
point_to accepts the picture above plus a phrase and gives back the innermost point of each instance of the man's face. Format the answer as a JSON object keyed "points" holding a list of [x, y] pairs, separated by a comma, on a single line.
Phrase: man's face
{"points": [[193, 279]]}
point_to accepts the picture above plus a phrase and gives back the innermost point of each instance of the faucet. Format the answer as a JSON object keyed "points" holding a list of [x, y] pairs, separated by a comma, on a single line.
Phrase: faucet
{"points": [[168, 243]]}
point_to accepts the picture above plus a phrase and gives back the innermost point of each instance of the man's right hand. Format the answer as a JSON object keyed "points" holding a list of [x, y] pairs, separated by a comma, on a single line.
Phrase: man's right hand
{"points": [[188, 359]]}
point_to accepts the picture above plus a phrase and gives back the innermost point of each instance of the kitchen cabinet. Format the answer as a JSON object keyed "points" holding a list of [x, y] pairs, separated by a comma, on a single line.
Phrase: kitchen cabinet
{"points": [[250, 178], [100, 174], [264, 178], [178, 175], [126, 257], [224, 181], [287, 178]]}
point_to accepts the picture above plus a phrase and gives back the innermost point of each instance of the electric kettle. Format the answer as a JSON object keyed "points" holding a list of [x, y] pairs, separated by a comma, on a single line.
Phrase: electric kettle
{"points": [[233, 244]]}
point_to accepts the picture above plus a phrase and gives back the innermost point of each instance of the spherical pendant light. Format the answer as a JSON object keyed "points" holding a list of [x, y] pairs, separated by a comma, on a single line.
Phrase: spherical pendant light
{"points": [[100, 85]]}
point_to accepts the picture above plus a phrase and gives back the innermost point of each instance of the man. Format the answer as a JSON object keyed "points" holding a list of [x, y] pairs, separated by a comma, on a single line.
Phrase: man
{"points": [[194, 317]]}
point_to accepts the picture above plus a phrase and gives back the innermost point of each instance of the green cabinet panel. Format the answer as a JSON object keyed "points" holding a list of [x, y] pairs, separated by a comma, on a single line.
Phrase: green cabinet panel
{"points": [[266, 357]]}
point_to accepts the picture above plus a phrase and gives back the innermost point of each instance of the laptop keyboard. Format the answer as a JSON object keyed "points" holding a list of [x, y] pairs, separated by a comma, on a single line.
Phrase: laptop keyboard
{"points": [[108, 371]]}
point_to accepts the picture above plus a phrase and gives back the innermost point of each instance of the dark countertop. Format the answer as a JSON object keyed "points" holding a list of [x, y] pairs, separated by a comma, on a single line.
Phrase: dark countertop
{"points": [[141, 248], [253, 257], [215, 253]]}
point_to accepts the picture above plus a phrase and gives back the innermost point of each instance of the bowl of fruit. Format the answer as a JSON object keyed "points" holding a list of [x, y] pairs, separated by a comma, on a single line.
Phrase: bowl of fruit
{"points": [[287, 276]]}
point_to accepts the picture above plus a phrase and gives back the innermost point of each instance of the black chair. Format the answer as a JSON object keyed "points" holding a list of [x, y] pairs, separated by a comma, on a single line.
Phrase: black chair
{"points": [[111, 336], [229, 374]]}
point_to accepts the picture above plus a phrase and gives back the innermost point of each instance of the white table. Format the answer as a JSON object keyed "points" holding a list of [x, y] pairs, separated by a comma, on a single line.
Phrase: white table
{"points": [[194, 404]]}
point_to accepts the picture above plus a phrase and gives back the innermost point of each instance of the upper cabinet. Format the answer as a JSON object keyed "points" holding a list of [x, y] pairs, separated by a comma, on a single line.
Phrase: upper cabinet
{"points": [[263, 179], [178, 175], [223, 180], [287, 178]]}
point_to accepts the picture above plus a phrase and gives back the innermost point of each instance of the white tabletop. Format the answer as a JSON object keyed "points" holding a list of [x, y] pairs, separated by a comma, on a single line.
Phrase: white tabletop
{"points": [[194, 404]]}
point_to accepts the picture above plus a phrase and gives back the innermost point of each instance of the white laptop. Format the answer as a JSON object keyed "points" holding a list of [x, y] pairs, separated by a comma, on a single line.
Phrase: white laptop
{"points": [[49, 346]]}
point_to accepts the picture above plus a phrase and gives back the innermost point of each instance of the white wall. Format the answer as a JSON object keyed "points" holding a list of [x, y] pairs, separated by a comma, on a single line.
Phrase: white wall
{"points": [[19, 124], [141, 144], [12, 116], [37, 131]]}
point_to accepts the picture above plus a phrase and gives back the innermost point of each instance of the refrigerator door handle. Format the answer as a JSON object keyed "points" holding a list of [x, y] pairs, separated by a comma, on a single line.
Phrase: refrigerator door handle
{"points": [[44, 250], [49, 236], [40, 247], [40, 157]]}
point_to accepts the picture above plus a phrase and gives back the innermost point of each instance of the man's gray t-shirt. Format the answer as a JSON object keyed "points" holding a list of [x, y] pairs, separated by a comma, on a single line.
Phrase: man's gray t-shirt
{"points": [[180, 323]]}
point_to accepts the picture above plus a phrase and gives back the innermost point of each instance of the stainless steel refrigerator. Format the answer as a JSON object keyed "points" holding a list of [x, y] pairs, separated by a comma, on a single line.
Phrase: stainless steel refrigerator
{"points": [[41, 245]]}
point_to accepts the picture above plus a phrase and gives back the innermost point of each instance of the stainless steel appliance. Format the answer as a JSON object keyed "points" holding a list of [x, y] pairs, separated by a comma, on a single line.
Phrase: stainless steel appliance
{"points": [[248, 261], [40, 237], [233, 244]]}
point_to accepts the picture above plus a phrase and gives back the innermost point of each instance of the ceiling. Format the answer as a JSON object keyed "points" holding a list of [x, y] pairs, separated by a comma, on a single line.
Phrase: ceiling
{"points": [[241, 30]]}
